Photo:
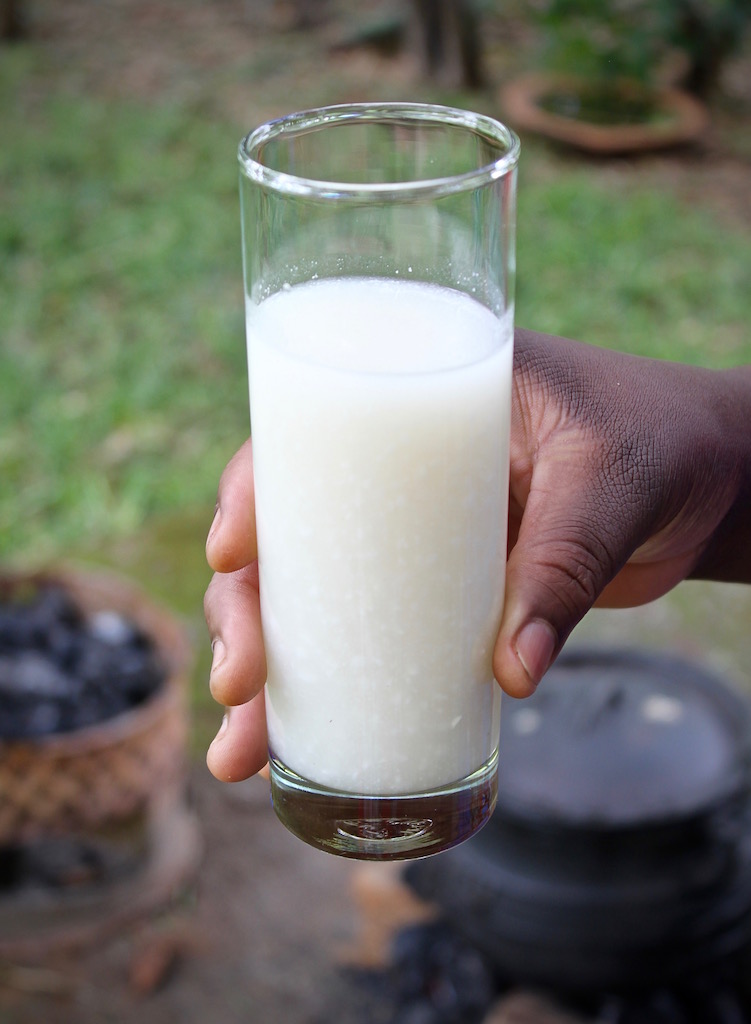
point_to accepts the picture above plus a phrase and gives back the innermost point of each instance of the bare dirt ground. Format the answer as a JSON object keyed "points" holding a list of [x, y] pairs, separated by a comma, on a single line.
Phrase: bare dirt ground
{"points": [[258, 936]]}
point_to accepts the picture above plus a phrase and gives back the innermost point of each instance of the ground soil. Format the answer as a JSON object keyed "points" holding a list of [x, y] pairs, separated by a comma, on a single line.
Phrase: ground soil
{"points": [[266, 931]]}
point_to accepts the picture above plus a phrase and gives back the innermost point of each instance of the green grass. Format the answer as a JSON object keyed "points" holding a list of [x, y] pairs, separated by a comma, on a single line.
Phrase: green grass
{"points": [[122, 365], [122, 385], [633, 270]]}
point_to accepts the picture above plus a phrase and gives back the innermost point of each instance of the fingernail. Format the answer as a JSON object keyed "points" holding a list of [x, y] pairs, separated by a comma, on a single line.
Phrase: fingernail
{"points": [[219, 652], [214, 524], [223, 727], [535, 645]]}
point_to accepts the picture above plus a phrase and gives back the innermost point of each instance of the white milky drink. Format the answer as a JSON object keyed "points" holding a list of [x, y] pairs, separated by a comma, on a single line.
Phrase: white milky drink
{"points": [[380, 421]]}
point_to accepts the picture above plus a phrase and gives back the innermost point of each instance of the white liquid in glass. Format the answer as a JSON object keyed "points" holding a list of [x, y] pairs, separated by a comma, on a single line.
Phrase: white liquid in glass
{"points": [[380, 422]]}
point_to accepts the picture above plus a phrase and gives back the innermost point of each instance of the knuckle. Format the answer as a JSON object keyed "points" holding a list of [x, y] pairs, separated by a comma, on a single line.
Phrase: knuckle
{"points": [[575, 568], [209, 597], [579, 578]]}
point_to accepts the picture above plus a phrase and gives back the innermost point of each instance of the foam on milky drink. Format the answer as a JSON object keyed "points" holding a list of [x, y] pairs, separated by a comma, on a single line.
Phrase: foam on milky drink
{"points": [[380, 420]]}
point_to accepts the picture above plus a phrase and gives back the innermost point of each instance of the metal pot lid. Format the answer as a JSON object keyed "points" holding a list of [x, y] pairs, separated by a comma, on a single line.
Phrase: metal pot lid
{"points": [[616, 739]]}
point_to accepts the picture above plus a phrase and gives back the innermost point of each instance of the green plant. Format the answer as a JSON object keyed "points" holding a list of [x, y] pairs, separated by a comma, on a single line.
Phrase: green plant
{"points": [[606, 41], [632, 38]]}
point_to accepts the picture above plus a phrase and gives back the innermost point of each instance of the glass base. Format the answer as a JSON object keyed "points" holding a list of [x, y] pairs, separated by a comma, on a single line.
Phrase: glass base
{"points": [[384, 827]]}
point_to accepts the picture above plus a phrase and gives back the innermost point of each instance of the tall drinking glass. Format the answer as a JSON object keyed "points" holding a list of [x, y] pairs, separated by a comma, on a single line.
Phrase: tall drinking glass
{"points": [[378, 244]]}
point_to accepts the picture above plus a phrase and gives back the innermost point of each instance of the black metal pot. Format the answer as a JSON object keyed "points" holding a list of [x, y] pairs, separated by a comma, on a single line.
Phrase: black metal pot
{"points": [[619, 855]]}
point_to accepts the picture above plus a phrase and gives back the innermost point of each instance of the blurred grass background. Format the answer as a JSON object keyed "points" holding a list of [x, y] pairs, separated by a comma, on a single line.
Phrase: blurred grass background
{"points": [[122, 383]]}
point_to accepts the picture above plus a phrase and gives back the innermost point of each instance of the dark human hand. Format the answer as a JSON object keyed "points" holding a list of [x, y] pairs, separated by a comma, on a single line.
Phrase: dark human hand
{"points": [[627, 476]]}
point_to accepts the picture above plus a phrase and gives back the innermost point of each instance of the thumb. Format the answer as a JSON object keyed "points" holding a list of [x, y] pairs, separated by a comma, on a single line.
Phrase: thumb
{"points": [[566, 553]]}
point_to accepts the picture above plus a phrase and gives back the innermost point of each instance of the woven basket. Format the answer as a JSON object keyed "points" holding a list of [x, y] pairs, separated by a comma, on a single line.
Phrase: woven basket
{"points": [[104, 774]]}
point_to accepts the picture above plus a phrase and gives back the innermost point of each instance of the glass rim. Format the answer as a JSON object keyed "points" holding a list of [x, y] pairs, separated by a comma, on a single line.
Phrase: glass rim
{"points": [[284, 183]]}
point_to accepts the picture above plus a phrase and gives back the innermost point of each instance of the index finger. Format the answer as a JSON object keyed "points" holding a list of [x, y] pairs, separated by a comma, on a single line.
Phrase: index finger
{"points": [[231, 544]]}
